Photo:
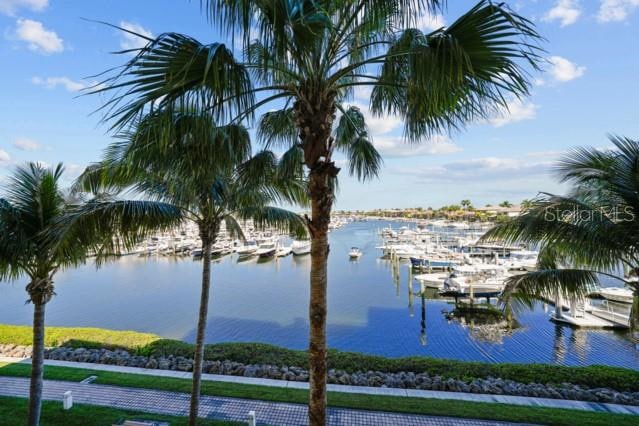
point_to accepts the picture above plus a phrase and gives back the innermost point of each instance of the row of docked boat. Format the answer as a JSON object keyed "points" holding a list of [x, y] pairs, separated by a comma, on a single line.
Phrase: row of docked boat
{"points": [[607, 307], [273, 248], [458, 265], [185, 241]]}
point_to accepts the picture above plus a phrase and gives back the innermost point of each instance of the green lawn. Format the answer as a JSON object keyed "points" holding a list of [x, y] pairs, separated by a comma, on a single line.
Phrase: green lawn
{"points": [[595, 376], [487, 411], [13, 412]]}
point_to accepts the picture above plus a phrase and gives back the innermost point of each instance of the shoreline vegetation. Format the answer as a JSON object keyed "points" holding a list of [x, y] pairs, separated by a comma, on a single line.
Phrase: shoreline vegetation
{"points": [[146, 344], [464, 211]]}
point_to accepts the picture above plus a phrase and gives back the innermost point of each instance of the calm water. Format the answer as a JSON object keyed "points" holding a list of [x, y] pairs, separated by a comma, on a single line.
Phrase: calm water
{"points": [[370, 310]]}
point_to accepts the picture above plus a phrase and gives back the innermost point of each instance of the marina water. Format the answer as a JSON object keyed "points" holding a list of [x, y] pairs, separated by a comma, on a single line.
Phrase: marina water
{"points": [[371, 309]]}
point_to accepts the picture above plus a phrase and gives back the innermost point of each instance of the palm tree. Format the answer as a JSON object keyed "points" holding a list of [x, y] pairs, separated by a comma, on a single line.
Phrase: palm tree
{"points": [[526, 204], [305, 58], [466, 204], [505, 204], [36, 242], [590, 232], [207, 173]]}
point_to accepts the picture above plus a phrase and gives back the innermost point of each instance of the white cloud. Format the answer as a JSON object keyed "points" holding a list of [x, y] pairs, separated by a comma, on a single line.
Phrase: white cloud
{"points": [[562, 69], [72, 171], [428, 22], [5, 158], [69, 84], [481, 169], [517, 110], [379, 125], [616, 10], [396, 146], [565, 11], [131, 41], [362, 93], [26, 144], [10, 7], [39, 39]]}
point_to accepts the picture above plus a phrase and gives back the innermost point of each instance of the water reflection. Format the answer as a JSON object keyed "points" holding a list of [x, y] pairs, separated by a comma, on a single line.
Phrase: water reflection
{"points": [[485, 323], [559, 346]]}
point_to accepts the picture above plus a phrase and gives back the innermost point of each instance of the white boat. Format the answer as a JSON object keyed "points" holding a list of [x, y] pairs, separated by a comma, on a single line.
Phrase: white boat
{"points": [[267, 249], [616, 294], [301, 247], [284, 251], [474, 285], [247, 249], [355, 253], [522, 260], [479, 279], [434, 280]]}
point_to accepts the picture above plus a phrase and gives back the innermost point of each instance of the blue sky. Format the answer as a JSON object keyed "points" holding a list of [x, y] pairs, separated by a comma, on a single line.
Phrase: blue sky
{"points": [[588, 90]]}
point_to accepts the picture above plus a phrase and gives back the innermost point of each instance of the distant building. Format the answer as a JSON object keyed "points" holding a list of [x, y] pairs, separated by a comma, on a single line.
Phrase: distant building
{"points": [[511, 211]]}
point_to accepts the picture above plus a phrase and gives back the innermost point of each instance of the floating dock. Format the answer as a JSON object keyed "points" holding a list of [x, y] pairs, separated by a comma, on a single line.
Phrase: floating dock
{"points": [[587, 321]]}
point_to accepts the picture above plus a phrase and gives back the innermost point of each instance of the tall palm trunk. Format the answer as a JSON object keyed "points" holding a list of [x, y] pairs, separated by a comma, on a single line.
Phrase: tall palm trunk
{"points": [[201, 330], [321, 204], [37, 364]]}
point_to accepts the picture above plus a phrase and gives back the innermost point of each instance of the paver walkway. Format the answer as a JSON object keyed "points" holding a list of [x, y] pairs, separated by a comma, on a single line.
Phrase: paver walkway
{"points": [[366, 390], [236, 409]]}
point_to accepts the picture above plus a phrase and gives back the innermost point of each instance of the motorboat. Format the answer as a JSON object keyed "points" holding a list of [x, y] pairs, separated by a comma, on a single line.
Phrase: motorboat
{"points": [[283, 251], [301, 247], [354, 253], [221, 249], [476, 280], [474, 286], [267, 249], [522, 260], [434, 280], [247, 249], [433, 262], [617, 294]]}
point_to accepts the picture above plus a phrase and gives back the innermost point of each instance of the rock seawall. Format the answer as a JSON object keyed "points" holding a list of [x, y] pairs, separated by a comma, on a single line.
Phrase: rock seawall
{"points": [[403, 380]]}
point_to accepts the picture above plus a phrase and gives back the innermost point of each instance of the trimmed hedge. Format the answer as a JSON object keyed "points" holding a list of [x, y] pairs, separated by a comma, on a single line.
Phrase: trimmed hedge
{"points": [[621, 379], [77, 337]]}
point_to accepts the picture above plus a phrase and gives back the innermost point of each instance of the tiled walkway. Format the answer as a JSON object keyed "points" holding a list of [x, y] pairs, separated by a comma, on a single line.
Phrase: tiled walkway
{"points": [[267, 413]]}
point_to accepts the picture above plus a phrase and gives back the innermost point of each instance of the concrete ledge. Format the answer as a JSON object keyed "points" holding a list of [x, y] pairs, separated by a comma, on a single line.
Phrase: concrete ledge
{"points": [[365, 390]]}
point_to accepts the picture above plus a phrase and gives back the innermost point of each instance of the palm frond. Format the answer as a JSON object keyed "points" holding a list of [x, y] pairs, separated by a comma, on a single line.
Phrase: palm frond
{"points": [[14, 242], [571, 226], [233, 228], [278, 129], [548, 282], [352, 138], [177, 68], [441, 81], [274, 218], [110, 227], [291, 163]]}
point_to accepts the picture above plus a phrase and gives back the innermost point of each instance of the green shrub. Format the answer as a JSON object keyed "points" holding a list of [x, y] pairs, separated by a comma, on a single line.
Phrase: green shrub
{"points": [[260, 353]]}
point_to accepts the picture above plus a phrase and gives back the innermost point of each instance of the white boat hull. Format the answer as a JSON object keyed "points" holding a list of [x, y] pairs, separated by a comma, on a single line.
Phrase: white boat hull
{"points": [[284, 251], [617, 294], [301, 249]]}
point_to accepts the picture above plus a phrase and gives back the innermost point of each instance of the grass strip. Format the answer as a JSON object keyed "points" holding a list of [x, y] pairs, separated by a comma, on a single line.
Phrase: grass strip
{"points": [[13, 412], [475, 410]]}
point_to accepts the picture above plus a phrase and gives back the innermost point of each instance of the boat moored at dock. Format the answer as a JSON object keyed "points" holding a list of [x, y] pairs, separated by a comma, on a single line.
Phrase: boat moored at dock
{"points": [[301, 247]]}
